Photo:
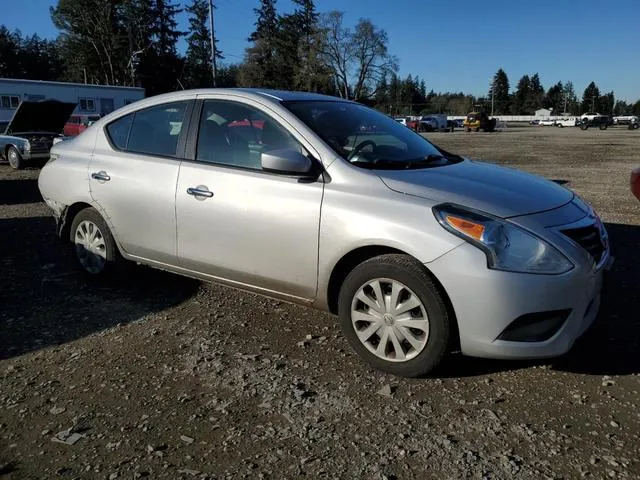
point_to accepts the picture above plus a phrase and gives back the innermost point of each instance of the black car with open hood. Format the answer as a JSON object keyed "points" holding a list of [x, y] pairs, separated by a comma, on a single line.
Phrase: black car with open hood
{"points": [[30, 133]]}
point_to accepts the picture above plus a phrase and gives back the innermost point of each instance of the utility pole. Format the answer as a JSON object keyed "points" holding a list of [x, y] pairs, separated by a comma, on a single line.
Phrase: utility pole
{"points": [[213, 43]]}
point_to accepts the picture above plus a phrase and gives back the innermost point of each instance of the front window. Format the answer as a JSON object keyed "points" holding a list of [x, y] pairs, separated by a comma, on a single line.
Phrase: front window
{"points": [[367, 138], [236, 135]]}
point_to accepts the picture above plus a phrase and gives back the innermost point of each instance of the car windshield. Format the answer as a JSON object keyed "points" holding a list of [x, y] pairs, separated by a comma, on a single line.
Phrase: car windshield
{"points": [[367, 138]]}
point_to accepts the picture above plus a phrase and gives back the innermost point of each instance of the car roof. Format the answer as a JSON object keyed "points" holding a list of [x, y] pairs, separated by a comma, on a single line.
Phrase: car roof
{"points": [[264, 93]]}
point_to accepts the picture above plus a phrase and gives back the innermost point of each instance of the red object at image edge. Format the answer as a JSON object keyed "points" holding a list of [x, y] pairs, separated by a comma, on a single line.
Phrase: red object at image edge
{"points": [[635, 182]]}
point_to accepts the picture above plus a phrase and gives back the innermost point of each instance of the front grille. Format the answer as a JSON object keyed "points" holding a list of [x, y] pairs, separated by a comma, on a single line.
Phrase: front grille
{"points": [[40, 144], [588, 238]]}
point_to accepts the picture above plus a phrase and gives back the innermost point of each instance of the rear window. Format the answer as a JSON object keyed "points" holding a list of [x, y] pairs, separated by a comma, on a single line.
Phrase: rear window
{"points": [[152, 131], [155, 130]]}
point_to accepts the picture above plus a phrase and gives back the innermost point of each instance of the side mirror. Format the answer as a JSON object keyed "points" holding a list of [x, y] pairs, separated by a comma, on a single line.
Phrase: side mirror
{"points": [[286, 161]]}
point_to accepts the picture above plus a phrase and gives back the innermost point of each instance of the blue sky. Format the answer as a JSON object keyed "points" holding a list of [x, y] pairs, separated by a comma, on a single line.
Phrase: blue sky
{"points": [[457, 45]]}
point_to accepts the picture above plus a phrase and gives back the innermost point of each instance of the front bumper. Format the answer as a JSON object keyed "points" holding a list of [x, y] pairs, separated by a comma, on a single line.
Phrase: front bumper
{"points": [[487, 301], [35, 155]]}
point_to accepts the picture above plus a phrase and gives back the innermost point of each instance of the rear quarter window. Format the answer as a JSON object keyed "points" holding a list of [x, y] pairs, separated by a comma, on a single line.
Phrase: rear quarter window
{"points": [[118, 131]]}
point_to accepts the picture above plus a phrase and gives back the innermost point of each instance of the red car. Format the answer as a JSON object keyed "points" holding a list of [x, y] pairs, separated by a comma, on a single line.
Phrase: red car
{"points": [[635, 182], [78, 124]]}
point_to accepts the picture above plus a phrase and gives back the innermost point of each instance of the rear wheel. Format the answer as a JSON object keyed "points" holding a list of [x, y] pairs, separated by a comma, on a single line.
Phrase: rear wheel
{"points": [[584, 125], [94, 245], [14, 158], [393, 315]]}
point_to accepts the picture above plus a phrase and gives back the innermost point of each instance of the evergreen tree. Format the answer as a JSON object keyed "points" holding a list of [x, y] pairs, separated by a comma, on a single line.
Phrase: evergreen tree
{"points": [[10, 45], [198, 69], [260, 66], [622, 108], [382, 96], [570, 99], [519, 98], [554, 99], [535, 96], [590, 98], [162, 57], [499, 93], [605, 103]]}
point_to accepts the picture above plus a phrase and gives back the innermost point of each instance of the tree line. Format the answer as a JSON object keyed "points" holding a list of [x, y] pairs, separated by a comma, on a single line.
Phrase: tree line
{"points": [[134, 43], [560, 98]]}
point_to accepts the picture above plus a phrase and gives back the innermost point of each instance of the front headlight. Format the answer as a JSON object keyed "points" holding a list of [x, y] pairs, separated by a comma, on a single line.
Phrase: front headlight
{"points": [[26, 147], [507, 247]]}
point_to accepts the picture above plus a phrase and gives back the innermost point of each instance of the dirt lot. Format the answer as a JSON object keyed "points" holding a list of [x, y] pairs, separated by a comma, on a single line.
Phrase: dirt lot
{"points": [[164, 377]]}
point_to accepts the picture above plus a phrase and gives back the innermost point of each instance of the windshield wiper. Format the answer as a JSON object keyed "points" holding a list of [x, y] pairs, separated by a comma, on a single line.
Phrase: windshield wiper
{"points": [[405, 164]]}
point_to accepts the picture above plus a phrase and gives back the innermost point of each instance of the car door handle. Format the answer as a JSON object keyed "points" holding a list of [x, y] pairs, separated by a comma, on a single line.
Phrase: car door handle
{"points": [[200, 191], [101, 175]]}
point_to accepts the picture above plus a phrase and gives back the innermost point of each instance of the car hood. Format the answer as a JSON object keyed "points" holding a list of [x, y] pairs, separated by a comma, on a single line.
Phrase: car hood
{"points": [[44, 116], [499, 191]]}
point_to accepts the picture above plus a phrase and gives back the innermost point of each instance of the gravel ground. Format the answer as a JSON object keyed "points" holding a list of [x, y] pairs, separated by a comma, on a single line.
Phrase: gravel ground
{"points": [[160, 376]]}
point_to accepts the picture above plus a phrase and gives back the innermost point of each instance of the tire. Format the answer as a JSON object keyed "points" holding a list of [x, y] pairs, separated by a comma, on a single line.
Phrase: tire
{"points": [[584, 125], [15, 159], [603, 126], [559, 125], [477, 129], [431, 335], [103, 258], [468, 129]]}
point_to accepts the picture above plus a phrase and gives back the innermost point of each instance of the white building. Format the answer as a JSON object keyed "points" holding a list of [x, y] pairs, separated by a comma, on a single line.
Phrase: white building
{"points": [[90, 99], [543, 112]]}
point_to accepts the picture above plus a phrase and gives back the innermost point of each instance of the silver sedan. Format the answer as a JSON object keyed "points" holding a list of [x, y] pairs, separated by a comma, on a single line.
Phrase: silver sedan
{"points": [[327, 203]]}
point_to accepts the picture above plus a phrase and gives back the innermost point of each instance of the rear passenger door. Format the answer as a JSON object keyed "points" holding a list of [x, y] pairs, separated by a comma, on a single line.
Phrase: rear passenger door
{"points": [[133, 175]]}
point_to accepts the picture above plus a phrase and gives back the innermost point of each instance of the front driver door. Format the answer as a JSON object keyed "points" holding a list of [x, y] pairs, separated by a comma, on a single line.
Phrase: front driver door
{"points": [[237, 222]]}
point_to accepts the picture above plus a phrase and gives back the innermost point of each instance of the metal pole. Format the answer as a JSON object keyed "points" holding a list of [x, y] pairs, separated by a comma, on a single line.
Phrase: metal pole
{"points": [[213, 43]]}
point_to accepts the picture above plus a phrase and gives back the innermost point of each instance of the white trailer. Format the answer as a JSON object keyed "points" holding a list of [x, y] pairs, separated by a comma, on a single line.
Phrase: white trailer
{"points": [[89, 99]]}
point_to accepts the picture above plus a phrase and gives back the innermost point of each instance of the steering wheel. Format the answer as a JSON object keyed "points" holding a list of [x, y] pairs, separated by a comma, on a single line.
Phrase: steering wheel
{"points": [[359, 147]]}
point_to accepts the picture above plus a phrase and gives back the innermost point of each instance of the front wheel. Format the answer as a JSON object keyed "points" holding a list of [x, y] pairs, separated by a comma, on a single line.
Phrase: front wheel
{"points": [[559, 125], [393, 315], [94, 245], [14, 158]]}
